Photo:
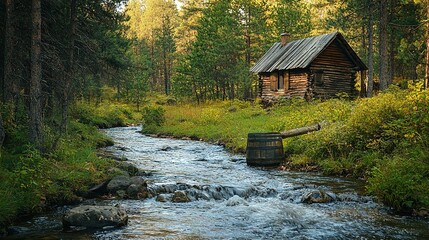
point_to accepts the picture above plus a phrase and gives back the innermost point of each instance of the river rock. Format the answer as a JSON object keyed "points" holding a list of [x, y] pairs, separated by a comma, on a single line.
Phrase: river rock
{"points": [[180, 196], [17, 230], [317, 196], [137, 180], [118, 183], [98, 190], [163, 198], [121, 193], [130, 168], [135, 191], [165, 188], [109, 155], [95, 217], [166, 148], [422, 212], [138, 188]]}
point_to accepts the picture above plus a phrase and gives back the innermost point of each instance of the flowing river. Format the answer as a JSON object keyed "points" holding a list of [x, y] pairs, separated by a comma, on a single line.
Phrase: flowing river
{"points": [[231, 200]]}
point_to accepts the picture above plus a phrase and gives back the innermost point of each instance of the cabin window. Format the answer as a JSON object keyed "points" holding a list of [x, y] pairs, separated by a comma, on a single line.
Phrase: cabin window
{"points": [[318, 78], [280, 83]]}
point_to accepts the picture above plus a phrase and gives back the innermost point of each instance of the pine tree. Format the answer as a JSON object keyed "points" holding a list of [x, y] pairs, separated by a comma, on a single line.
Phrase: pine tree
{"points": [[36, 111], [155, 21]]}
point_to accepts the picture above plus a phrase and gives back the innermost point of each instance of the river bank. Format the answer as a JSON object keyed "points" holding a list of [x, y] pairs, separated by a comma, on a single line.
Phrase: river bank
{"points": [[382, 140]]}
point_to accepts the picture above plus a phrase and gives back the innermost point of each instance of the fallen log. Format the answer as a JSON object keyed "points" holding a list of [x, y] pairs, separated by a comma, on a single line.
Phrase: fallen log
{"points": [[300, 131]]}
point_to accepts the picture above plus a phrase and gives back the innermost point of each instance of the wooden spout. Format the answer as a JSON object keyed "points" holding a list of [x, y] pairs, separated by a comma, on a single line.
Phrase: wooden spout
{"points": [[300, 131]]}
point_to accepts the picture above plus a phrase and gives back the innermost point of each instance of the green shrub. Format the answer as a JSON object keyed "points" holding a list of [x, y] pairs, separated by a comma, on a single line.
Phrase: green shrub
{"points": [[57, 175], [164, 100], [88, 114], [153, 116], [13, 201], [22, 181], [401, 182], [104, 115], [29, 170]]}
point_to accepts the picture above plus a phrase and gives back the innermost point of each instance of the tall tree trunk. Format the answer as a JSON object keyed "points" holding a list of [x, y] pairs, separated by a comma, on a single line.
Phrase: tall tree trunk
{"points": [[35, 95], [2, 133], [363, 72], [370, 52], [383, 41], [9, 90], [164, 56], [118, 89], [194, 87], [247, 86], [392, 52], [166, 80], [69, 67], [427, 49], [391, 72], [152, 58]]}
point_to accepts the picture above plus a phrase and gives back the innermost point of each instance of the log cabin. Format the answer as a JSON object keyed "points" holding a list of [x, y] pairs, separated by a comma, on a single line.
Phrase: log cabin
{"points": [[315, 67]]}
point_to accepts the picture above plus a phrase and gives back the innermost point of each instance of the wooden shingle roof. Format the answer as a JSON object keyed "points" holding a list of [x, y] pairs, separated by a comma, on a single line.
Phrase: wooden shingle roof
{"points": [[300, 53]]}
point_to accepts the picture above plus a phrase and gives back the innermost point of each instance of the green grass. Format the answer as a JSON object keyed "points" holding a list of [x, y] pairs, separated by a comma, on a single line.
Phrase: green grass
{"points": [[376, 139]]}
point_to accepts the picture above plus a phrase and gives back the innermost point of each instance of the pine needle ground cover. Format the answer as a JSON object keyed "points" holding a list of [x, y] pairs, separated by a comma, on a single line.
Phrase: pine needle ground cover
{"points": [[383, 139]]}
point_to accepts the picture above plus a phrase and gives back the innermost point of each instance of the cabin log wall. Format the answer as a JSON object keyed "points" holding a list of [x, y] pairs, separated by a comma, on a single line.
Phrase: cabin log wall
{"points": [[338, 73], [298, 84]]}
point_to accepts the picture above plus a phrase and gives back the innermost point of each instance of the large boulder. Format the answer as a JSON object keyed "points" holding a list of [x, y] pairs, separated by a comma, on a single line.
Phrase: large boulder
{"points": [[128, 187], [137, 180], [138, 188], [95, 217], [118, 183], [97, 190]]}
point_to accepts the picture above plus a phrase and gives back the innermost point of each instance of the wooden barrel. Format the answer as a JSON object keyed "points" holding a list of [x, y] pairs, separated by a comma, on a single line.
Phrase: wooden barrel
{"points": [[264, 149]]}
